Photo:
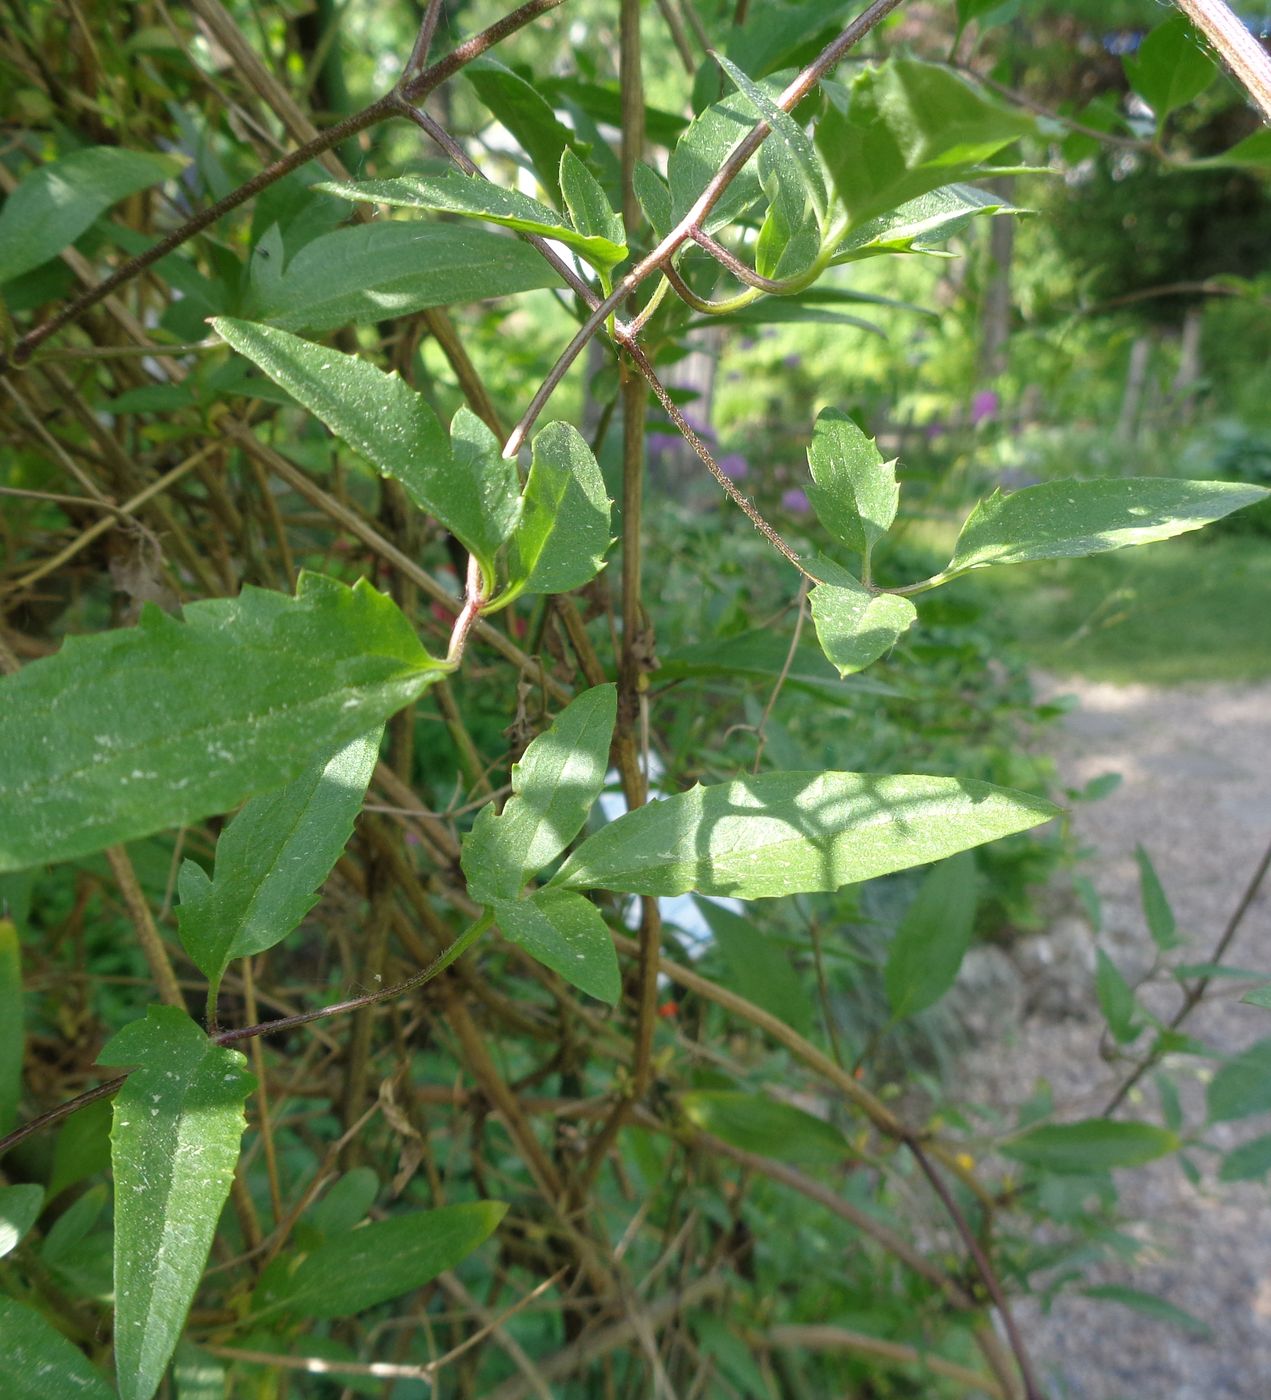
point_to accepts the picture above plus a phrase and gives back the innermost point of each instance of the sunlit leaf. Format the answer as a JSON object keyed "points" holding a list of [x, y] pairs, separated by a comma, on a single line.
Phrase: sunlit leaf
{"points": [[594, 219], [567, 933], [1171, 67], [855, 626], [854, 492], [19, 1210]]}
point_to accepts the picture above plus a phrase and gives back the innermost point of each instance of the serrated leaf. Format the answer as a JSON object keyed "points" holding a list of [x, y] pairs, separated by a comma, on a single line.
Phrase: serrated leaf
{"points": [[703, 149], [1156, 906], [178, 1123], [39, 1363], [554, 786], [932, 938], [1094, 1145], [271, 860], [757, 1123], [563, 532], [921, 225], [462, 480], [758, 966], [473, 197], [854, 626], [567, 933], [795, 833], [1171, 67], [1116, 1000], [854, 492], [377, 271], [904, 128], [54, 204], [590, 210], [362, 1268], [526, 115], [1242, 1086], [1148, 1304], [11, 1038], [124, 733], [19, 1210], [1070, 518]]}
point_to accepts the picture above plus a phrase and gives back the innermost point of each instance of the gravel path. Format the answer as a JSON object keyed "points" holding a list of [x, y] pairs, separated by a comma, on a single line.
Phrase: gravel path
{"points": [[1196, 792]]}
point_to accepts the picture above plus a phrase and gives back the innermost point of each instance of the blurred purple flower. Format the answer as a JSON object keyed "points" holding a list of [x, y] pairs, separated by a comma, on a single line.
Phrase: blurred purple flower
{"points": [[792, 361], [984, 405], [796, 501], [661, 444], [734, 466]]}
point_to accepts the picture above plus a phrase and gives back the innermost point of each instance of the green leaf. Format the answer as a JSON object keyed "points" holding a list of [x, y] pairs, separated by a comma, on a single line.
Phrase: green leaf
{"points": [[124, 733], [1156, 905], [1242, 1086], [473, 197], [554, 786], [563, 532], [55, 203], [19, 1210], [1094, 1145], [358, 1270], [904, 128], [82, 1148], [271, 859], [462, 481], [39, 1363], [1249, 1162], [931, 941], [1067, 519], [1254, 152], [526, 115], [700, 153], [758, 966], [1148, 1304], [377, 271], [795, 833], [1116, 1000], [757, 1123], [567, 933], [854, 492], [921, 225], [11, 1039], [763, 655], [1171, 68], [854, 626], [178, 1123], [346, 1203], [590, 210], [655, 198], [198, 1376], [1260, 996]]}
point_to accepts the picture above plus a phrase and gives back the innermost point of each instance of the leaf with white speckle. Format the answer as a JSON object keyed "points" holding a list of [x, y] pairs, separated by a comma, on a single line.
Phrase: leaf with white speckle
{"points": [[39, 1363]]}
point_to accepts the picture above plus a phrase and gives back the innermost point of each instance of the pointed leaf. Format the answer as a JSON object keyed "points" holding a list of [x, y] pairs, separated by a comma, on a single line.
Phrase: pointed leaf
{"points": [[565, 932], [554, 786], [590, 210], [11, 1038], [655, 198], [932, 938], [757, 1123], [1260, 996], [854, 626], [53, 204], [1116, 1000], [1094, 1145], [1248, 1162], [362, 1268], [795, 833], [563, 533], [759, 967], [1148, 1304], [39, 1363], [855, 492], [1171, 67], [376, 271], [1242, 1086], [388, 422], [1156, 906], [473, 197], [19, 1210], [1068, 519], [125, 733], [921, 225], [703, 149], [271, 859], [526, 115], [178, 1123]]}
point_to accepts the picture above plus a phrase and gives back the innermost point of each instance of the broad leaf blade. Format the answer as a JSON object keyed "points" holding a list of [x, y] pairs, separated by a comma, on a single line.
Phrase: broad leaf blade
{"points": [[1069, 519], [178, 1123], [932, 938], [854, 626], [589, 208], [1171, 67], [1242, 1086], [702, 150], [565, 932], [526, 115], [554, 786], [125, 733], [39, 1363], [54, 204], [854, 494], [757, 1123], [792, 833], [922, 224], [1094, 1145], [361, 1268], [271, 859], [563, 533], [378, 271], [380, 416]]}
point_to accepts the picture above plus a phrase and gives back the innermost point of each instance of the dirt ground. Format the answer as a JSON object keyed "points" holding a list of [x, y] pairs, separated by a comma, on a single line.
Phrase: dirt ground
{"points": [[1196, 792]]}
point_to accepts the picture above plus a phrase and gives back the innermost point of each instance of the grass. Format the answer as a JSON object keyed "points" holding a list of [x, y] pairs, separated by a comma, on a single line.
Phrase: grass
{"points": [[1189, 609]]}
